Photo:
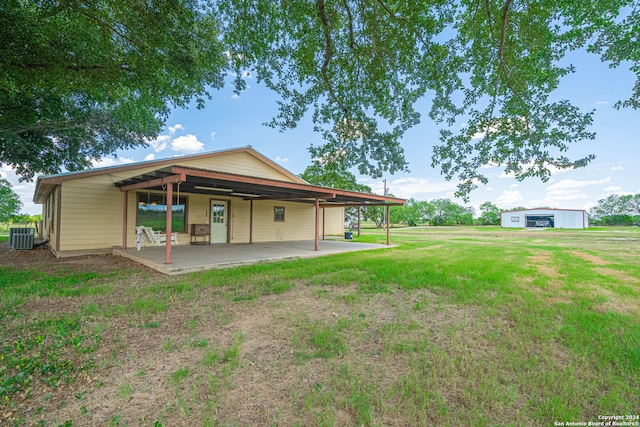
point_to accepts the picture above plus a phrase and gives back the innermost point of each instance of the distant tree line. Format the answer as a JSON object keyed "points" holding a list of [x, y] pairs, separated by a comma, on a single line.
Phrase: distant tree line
{"points": [[616, 210], [444, 212], [10, 206]]}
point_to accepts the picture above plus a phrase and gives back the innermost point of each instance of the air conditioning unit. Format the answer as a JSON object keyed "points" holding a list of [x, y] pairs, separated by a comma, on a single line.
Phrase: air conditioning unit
{"points": [[21, 238]]}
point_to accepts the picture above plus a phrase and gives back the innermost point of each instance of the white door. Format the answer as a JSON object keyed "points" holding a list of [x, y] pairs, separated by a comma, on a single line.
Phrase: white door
{"points": [[219, 221]]}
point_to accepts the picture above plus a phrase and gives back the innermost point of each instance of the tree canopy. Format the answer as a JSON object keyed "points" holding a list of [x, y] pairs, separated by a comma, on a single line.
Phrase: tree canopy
{"points": [[490, 214], [333, 176], [81, 79], [617, 210], [10, 203], [494, 65]]}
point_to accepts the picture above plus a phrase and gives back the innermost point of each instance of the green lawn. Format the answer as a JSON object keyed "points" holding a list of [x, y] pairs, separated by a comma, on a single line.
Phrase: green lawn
{"points": [[454, 326]]}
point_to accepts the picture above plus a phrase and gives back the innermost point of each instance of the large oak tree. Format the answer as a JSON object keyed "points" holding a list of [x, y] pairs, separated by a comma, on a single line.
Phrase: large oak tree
{"points": [[361, 66], [80, 79]]}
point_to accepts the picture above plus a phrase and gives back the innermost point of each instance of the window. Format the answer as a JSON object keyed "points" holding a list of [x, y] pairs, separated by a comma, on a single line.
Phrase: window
{"points": [[278, 213], [515, 219], [152, 212]]}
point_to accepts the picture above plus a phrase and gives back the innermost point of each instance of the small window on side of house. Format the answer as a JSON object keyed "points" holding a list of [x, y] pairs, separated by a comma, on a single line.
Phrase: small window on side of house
{"points": [[515, 219], [278, 213]]}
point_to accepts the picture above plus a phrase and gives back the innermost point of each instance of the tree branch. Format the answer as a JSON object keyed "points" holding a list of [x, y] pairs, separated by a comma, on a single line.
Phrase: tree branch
{"points": [[327, 56], [405, 20], [106, 25], [72, 67], [503, 36], [352, 42]]}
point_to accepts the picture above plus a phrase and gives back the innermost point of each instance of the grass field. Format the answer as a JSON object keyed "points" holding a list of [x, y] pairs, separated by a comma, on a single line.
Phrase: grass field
{"points": [[454, 326]]}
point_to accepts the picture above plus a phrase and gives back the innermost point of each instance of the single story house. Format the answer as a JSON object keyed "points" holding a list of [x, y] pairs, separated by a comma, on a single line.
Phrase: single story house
{"points": [[228, 196], [545, 218]]}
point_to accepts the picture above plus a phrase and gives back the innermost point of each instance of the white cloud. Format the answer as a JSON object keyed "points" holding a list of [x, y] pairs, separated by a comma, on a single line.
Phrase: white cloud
{"points": [[509, 199], [573, 184], [513, 186], [619, 193], [489, 188], [612, 189], [418, 188], [235, 96], [449, 195], [616, 168], [552, 171], [174, 128], [282, 159], [602, 102], [110, 161], [566, 192], [213, 136], [150, 156], [514, 126], [160, 143], [187, 144], [489, 165], [562, 198]]}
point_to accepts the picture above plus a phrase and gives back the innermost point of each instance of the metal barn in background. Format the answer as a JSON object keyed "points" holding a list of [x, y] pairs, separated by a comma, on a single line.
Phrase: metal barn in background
{"points": [[545, 218]]}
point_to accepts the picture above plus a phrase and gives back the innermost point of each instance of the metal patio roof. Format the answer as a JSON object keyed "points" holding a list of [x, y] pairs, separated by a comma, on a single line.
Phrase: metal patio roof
{"points": [[206, 181]]}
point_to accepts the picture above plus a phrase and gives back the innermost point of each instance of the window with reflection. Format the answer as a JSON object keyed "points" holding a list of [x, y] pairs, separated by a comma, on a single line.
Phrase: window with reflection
{"points": [[278, 213], [152, 212]]}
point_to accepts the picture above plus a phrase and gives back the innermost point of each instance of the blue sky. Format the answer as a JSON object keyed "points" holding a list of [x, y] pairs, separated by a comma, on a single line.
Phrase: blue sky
{"points": [[229, 121]]}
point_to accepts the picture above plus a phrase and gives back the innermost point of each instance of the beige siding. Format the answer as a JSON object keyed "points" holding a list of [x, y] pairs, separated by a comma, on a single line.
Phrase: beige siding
{"points": [[239, 163], [91, 215], [334, 221], [299, 223], [240, 220]]}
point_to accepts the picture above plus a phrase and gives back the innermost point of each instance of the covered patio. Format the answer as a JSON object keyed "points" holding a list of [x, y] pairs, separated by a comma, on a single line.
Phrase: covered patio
{"points": [[192, 180], [189, 259]]}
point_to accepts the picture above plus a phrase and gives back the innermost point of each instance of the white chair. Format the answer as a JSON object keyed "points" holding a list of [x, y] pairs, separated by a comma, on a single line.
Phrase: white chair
{"points": [[157, 238]]}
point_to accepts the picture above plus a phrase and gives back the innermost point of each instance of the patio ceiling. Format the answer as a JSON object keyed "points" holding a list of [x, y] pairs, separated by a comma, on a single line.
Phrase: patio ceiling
{"points": [[211, 182]]}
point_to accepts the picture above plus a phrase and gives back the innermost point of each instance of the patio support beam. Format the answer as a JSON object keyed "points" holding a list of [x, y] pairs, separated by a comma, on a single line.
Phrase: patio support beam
{"points": [[155, 182], [124, 219], [323, 221], [167, 247], [250, 221], [317, 221], [388, 227], [359, 215]]}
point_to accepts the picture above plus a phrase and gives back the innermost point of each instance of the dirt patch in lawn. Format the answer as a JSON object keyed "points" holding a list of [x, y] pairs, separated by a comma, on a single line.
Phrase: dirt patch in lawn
{"points": [[42, 259], [615, 303], [543, 262], [617, 274], [591, 258]]}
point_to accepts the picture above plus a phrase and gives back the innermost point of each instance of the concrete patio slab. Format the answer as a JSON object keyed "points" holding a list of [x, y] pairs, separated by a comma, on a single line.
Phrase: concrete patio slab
{"points": [[189, 259]]}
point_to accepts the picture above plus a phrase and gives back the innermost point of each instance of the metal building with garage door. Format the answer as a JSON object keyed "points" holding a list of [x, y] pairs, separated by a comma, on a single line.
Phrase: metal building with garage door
{"points": [[545, 218]]}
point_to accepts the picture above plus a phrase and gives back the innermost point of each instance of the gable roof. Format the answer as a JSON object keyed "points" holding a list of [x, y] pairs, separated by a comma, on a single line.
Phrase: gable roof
{"points": [[46, 183]]}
